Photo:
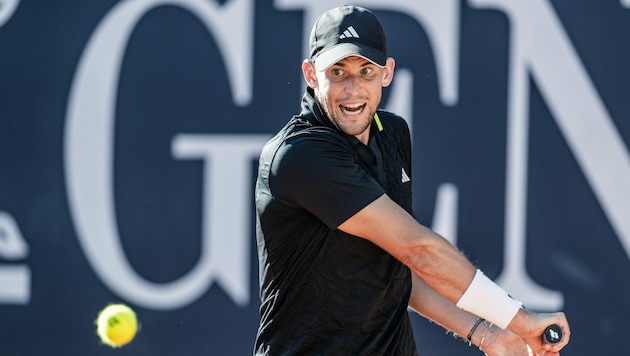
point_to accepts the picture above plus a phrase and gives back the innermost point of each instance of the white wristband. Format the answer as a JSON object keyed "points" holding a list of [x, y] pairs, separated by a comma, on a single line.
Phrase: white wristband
{"points": [[486, 299]]}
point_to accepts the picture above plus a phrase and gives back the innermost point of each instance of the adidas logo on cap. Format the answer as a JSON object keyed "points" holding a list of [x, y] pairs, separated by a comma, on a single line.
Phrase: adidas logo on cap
{"points": [[350, 32]]}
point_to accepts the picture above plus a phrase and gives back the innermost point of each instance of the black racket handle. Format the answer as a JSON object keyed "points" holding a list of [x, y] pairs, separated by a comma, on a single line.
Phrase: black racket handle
{"points": [[553, 334]]}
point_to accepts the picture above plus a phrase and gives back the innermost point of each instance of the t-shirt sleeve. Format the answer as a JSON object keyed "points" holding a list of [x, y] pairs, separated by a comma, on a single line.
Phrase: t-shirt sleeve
{"points": [[319, 173]]}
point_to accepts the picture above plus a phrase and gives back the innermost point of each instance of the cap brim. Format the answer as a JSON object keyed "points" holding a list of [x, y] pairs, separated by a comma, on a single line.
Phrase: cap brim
{"points": [[343, 50]]}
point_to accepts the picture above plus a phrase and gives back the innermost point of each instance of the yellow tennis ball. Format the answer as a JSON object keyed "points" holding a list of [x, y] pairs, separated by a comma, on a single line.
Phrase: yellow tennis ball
{"points": [[116, 325]]}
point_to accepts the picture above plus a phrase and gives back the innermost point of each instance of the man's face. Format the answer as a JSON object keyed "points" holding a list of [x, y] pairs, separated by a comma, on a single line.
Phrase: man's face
{"points": [[350, 91]]}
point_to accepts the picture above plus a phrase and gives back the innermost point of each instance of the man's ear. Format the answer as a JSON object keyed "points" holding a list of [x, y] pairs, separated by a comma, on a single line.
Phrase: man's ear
{"points": [[389, 72], [308, 71]]}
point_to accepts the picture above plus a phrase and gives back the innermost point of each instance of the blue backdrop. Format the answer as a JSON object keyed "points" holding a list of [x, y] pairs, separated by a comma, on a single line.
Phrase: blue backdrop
{"points": [[130, 130]]}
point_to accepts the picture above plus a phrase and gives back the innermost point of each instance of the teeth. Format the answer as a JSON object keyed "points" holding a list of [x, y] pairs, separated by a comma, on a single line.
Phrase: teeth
{"points": [[354, 109]]}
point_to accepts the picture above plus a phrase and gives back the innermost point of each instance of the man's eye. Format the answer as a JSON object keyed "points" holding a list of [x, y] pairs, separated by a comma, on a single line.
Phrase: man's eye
{"points": [[366, 71], [337, 72]]}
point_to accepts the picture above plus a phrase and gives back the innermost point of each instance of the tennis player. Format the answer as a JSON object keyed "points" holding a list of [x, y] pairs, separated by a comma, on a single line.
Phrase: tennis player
{"points": [[341, 256]]}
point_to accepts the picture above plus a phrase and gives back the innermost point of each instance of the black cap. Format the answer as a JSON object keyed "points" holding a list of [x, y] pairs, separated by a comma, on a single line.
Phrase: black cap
{"points": [[347, 31]]}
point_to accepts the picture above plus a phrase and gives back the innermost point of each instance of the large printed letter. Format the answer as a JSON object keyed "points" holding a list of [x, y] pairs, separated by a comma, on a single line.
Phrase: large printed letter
{"points": [[89, 140], [541, 47]]}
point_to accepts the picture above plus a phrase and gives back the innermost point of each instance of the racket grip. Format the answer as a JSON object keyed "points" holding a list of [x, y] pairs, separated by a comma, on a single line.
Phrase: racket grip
{"points": [[553, 334]]}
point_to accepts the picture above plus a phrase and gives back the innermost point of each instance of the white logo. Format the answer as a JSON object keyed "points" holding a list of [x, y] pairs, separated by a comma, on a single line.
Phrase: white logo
{"points": [[350, 32], [405, 177]]}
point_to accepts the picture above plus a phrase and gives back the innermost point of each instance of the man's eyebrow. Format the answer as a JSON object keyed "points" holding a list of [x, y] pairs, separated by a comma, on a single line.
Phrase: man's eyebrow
{"points": [[364, 63], [339, 64]]}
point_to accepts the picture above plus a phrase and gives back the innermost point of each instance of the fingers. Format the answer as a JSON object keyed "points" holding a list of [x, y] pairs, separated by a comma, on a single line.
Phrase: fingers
{"points": [[554, 349], [536, 338]]}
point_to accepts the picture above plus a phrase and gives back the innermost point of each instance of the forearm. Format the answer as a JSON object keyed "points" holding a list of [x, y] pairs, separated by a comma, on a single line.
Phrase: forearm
{"points": [[430, 304], [444, 268], [492, 340]]}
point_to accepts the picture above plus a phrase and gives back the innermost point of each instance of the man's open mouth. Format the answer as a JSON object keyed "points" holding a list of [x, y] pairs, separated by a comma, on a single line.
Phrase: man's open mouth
{"points": [[352, 110]]}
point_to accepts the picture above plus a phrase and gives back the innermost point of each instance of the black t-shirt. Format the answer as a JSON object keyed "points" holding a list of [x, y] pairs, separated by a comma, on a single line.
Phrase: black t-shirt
{"points": [[323, 291]]}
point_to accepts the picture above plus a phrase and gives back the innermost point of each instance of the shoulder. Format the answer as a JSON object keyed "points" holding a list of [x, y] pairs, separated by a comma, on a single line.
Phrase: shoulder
{"points": [[317, 145], [300, 144]]}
